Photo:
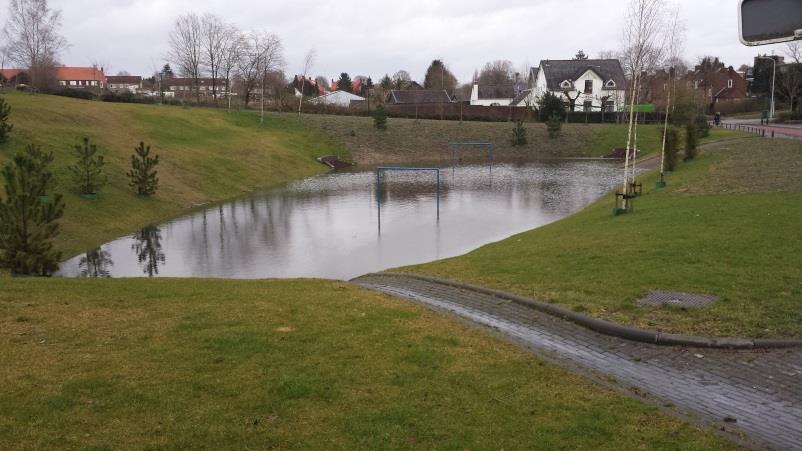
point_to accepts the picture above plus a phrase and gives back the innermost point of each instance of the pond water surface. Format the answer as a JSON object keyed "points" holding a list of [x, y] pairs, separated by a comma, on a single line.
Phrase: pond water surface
{"points": [[336, 226]]}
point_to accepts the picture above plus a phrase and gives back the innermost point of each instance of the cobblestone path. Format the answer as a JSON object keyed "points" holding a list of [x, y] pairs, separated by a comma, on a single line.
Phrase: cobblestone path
{"points": [[758, 393]]}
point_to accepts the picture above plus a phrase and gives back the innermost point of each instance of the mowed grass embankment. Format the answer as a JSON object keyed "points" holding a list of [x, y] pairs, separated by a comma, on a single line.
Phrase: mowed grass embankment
{"points": [[727, 225], [206, 155], [410, 140], [198, 364]]}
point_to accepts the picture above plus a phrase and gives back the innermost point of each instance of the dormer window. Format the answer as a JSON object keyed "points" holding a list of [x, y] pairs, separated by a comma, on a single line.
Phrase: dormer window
{"points": [[729, 83], [566, 84], [610, 84]]}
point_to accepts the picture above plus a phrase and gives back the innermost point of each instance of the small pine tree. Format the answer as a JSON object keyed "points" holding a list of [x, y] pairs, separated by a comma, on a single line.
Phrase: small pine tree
{"points": [[554, 126], [691, 141], [519, 134], [5, 126], [380, 118], [143, 175], [41, 161], [28, 223], [549, 105], [88, 170], [344, 83], [672, 143]]}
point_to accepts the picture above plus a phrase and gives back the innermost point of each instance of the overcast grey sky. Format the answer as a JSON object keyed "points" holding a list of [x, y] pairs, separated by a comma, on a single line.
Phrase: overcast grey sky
{"points": [[376, 37]]}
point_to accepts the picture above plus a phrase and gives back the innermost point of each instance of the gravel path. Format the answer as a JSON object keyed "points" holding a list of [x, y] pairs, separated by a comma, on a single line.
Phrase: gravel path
{"points": [[758, 393]]}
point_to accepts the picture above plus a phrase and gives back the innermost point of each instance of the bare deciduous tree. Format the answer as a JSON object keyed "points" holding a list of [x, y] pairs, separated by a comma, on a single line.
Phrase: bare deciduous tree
{"points": [[789, 75], [32, 38], [214, 40], [309, 61], [261, 54], [232, 47], [497, 73], [186, 48]]}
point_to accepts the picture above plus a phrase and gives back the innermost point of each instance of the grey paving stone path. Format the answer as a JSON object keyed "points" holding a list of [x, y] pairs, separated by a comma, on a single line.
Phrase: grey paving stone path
{"points": [[757, 393]]}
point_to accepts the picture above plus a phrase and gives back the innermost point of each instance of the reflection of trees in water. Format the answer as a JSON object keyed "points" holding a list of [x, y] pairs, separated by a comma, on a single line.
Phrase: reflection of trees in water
{"points": [[148, 250], [96, 264]]}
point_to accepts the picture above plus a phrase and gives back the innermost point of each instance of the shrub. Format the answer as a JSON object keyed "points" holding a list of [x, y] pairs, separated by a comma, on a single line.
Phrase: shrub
{"points": [[88, 170], [380, 118], [672, 143], [126, 97], [549, 106], [519, 134], [5, 126], [74, 93], [702, 126], [691, 141], [143, 175], [28, 222], [554, 126]]}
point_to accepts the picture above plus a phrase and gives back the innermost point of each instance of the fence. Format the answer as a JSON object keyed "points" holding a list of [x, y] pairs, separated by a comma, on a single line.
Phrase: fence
{"points": [[759, 131]]}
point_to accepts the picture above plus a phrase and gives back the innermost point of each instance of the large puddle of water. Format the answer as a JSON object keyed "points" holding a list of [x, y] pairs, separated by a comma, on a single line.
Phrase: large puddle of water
{"points": [[338, 226]]}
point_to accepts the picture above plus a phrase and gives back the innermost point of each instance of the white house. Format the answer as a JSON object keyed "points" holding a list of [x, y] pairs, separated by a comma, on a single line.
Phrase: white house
{"points": [[585, 85], [496, 95], [336, 98]]}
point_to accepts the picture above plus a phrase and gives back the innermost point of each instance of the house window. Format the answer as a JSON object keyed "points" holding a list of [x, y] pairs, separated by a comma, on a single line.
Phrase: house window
{"points": [[62, 83], [588, 86], [609, 106], [73, 83], [94, 83], [729, 83], [588, 106], [695, 85]]}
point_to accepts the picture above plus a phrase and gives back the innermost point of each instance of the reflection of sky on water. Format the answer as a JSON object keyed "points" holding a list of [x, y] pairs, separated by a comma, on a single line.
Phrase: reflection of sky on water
{"points": [[329, 227]]}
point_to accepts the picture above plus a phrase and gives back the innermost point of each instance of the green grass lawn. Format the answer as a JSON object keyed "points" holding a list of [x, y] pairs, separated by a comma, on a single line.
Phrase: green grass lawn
{"points": [[200, 364], [206, 156], [728, 225]]}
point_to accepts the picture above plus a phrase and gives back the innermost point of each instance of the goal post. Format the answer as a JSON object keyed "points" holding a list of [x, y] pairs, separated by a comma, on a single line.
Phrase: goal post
{"points": [[455, 146], [383, 169]]}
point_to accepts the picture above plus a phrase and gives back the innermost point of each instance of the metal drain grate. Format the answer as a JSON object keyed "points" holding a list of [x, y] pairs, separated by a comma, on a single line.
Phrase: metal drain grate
{"points": [[677, 299]]}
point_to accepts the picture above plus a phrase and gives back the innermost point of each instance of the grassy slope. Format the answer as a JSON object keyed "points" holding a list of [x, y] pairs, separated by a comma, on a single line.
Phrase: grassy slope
{"points": [[408, 140], [206, 156], [727, 225], [166, 364], [650, 139]]}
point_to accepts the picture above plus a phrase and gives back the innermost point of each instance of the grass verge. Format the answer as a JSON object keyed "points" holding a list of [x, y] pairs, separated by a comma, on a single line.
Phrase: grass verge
{"points": [[727, 225], [165, 364]]}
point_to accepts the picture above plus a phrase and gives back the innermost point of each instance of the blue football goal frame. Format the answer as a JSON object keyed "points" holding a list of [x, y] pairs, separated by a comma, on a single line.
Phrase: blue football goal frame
{"points": [[455, 146], [382, 169]]}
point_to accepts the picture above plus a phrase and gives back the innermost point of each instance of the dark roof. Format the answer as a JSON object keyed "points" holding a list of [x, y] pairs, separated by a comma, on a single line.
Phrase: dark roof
{"points": [[124, 79], [418, 97], [519, 99], [557, 71], [496, 91]]}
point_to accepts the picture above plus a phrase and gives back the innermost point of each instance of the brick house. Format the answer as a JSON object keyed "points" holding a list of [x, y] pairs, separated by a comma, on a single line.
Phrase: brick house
{"points": [[722, 85], [124, 83], [185, 87], [80, 77]]}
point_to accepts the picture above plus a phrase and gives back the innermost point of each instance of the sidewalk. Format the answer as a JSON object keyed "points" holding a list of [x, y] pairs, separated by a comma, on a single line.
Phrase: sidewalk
{"points": [[758, 393]]}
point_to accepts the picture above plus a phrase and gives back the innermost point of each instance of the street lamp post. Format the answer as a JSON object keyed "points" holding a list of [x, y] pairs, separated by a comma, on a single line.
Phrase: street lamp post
{"points": [[773, 81]]}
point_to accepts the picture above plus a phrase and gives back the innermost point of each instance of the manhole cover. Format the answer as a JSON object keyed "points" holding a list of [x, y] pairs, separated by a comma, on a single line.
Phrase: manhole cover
{"points": [[677, 299]]}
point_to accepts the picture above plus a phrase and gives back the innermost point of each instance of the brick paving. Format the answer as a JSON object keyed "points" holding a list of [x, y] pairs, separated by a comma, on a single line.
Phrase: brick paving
{"points": [[757, 393]]}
